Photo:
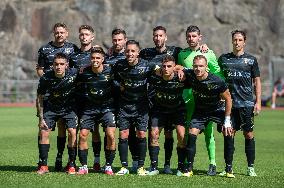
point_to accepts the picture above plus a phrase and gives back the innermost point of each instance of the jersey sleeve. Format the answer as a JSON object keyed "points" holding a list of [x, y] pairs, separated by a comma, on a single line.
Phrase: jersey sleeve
{"points": [[40, 60], [255, 69], [41, 86], [213, 65]]}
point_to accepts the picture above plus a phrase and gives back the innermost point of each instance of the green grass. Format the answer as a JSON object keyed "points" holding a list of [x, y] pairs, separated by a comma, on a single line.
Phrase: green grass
{"points": [[18, 158]]}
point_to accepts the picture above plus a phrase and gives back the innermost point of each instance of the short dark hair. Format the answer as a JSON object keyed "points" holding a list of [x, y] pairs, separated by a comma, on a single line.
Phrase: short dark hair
{"points": [[133, 42], [242, 32], [168, 58], [117, 31], [200, 57], [160, 28], [88, 27], [60, 55], [60, 24], [192, 28], [98, 49]]}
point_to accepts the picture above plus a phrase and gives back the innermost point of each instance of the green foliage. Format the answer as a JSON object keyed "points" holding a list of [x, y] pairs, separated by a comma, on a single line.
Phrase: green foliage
{"points": [[18, 146]]}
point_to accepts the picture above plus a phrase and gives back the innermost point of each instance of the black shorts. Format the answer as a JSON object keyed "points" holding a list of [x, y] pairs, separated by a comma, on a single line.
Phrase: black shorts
{"points": [[140, 122], [243, 119], [167, 121], [201, 120], [70, 119], [89, 121]]}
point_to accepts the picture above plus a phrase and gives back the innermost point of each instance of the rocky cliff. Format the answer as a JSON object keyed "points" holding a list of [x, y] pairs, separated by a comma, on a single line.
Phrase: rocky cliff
{"points": [[25, 25]]}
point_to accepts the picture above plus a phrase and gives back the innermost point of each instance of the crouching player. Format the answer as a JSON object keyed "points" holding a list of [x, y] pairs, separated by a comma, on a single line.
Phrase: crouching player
{"points": [[97, 83], [55, 100], [208, 92]]}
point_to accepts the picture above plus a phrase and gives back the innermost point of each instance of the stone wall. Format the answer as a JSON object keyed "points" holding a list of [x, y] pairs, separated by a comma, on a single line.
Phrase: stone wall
{"points": [[25, 25]]}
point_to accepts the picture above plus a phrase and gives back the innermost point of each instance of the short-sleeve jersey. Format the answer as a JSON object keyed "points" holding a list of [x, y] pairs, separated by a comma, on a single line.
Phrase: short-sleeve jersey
{"points": [[156, 57], [97, 88], [47, 52], [80, 59], [134, 80], [58, 92], [111, 59], [185, 58], [206, 92], [239, 72], [167, 97]]}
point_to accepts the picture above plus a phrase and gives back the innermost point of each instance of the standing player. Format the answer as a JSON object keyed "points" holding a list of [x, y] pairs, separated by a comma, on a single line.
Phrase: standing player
{"points": [[208, 90], [45, 61], [168, 111], [156, 55], [55, 100], [132, 73], [116, 53], [185, 58], [82, 59], [96, 82], [242, 74]]}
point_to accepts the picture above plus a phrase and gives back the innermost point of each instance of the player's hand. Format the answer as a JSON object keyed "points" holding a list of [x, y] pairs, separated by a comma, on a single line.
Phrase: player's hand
{"points": [[122, 88], [204, 48], [257, 108], [227, 131], [181, 75], [42, 124], [158, 72]]}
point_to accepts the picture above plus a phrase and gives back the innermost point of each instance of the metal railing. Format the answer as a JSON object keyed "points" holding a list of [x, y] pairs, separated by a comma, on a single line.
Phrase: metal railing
{"points": [[18, 91]]}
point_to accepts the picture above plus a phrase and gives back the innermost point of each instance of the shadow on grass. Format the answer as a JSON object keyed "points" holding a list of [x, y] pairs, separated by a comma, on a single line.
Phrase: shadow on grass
{"points": [[18, 168]]}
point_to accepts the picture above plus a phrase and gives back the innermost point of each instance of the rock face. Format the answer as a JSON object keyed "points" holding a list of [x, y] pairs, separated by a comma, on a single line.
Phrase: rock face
{"points": [[25, 25]]}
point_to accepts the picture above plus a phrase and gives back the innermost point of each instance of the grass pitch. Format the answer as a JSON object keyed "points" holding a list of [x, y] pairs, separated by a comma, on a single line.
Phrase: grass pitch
{"points": [[19, 155]]}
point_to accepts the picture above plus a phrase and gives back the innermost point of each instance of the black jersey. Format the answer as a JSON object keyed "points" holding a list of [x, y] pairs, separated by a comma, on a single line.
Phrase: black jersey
{"points": [[239, 72], [58, 92], [47, 52], [134, 80], [80, 59], [206, 92], [97, 88], [156, 57], [111, 59], [167, 97]]}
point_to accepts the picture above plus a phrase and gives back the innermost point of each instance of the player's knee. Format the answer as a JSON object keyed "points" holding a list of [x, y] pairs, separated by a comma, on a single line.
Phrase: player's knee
{"points": [[248, 135], [168, 134], [124, 134], [141, 134]]}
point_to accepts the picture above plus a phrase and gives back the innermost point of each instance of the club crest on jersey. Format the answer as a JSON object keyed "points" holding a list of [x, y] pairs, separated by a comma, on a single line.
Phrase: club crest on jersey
{"points": [[68, 50], [246, 61]]}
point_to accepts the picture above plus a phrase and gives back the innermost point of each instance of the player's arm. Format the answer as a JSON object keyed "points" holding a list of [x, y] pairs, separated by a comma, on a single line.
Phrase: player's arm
{"points": [[39, 106], [257, 89], [213, 65], [227, 127]]}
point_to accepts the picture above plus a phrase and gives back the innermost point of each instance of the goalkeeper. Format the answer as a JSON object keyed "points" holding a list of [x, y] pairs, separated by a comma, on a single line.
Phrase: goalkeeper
{"points": [[185, 58]]}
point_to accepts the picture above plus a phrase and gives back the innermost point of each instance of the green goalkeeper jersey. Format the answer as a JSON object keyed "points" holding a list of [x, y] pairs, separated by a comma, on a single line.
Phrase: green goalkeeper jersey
{"points": [[185, 58]]}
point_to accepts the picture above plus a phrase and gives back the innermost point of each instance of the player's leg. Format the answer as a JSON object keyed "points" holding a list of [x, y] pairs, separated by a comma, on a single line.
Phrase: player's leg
{"points": [[132, 142], [71, 121], [61, 143], [83, 149], [154, 149], [191, 149], [168, 147], [123, 124], [181, 149], [43, 145], [210, 146], [110, 126], [247, 118], [141, 123], [96, 144]]}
